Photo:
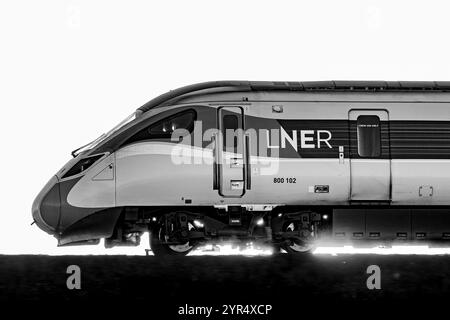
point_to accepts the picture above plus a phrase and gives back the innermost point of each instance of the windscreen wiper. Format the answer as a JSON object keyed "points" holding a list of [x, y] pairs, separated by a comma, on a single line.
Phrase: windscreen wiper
{"points": [[76, 151]]}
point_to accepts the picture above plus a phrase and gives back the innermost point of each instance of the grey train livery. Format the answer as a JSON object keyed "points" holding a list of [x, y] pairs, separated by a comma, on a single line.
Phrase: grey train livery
{"points": [[283, 163]]}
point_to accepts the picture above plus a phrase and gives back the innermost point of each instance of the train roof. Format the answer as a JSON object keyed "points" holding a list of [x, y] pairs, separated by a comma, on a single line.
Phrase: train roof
{"points": [[341, 86]]}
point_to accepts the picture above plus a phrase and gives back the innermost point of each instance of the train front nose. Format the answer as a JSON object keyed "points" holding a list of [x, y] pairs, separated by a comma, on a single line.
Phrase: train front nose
{"points": [[47, 207]]}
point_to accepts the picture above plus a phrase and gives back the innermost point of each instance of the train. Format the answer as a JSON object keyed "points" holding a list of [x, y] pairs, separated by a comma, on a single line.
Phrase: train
{"points": [[278, 163]]}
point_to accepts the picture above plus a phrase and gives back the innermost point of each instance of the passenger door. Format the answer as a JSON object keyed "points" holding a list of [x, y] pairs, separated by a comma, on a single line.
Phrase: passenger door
{"points": [[370, 164], [230, 152]]}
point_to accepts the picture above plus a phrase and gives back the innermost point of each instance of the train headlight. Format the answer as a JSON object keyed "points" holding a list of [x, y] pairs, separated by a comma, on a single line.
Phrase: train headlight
{"points": [[260, 222], [198, 224]]}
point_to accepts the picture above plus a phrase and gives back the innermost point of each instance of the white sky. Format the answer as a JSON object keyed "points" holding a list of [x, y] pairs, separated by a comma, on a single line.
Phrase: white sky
{"points": [[70, 70]]}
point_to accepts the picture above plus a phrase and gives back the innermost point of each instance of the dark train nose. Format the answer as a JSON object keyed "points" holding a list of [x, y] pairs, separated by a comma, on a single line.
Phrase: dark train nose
{"points": [[47, 207]]}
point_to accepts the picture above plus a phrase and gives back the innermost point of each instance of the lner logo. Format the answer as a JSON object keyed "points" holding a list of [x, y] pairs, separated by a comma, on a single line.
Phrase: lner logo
{"points": [[309, 139]]}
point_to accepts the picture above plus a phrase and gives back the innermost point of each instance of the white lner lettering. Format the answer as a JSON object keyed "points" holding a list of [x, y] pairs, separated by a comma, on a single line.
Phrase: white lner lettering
{"points": [[306, 139], [274, 136], [319, 139], [292, 140]]}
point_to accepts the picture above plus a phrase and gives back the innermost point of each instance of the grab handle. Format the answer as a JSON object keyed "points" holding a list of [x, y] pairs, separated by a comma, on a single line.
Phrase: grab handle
{"points": [[215, 169], [248, 166]]}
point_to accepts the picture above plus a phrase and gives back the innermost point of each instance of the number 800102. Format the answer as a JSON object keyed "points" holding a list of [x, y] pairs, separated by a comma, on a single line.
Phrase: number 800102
{"points": [[284, 180]]}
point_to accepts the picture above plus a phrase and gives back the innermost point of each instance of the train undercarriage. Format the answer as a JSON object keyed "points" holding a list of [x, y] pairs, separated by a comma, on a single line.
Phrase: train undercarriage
{"points": [[177, 231]]}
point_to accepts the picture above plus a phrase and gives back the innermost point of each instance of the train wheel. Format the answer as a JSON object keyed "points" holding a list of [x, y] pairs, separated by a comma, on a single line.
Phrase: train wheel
{"points": [[297, 245], [160, 248]]}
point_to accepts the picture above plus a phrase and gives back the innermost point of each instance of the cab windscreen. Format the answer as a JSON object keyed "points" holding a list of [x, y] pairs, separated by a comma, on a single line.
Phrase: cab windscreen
{"points": [[82, 165]]}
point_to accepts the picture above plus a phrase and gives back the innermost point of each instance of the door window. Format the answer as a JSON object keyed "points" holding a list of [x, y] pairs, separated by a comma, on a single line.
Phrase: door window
{"points": [[369, 136], [230, 125]]}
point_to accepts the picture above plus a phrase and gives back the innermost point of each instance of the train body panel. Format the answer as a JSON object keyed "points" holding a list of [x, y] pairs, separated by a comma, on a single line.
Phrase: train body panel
{"points": [[96, 188], [147, 175], [187, 178], [420, 182]]}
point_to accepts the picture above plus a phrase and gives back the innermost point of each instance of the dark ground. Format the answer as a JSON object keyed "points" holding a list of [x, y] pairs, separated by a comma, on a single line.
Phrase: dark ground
{"points": [[294, 285]]}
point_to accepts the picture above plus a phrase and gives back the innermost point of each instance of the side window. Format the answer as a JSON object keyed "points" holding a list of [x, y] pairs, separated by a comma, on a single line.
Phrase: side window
{"points": [[369, 136], [164, 128]]}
